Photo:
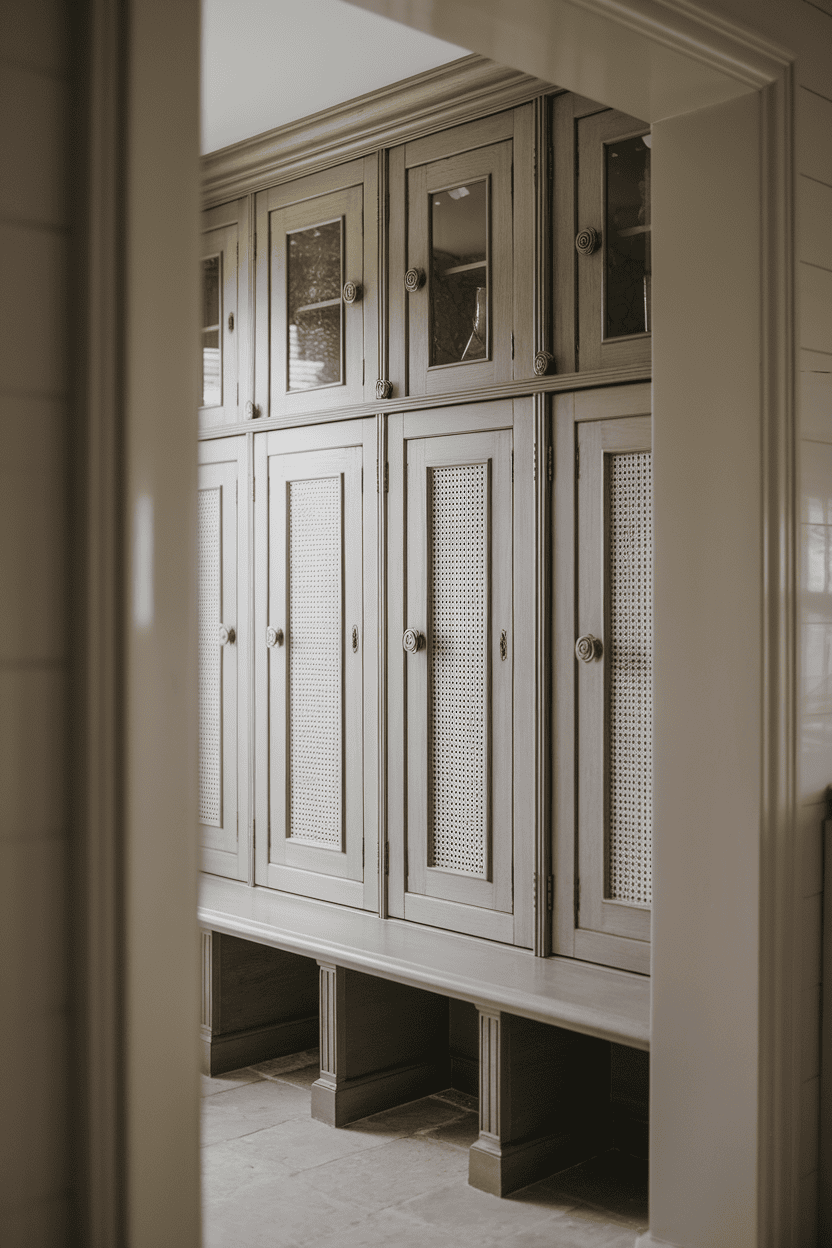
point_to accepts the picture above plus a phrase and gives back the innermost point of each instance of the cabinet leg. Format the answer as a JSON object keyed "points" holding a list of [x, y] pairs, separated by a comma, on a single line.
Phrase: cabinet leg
{"points": [[382, 1044], [544, 1102], [257, 1003]]}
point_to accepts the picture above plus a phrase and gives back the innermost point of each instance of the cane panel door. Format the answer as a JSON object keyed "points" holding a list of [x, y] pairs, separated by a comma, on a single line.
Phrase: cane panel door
{"points": [[222, 656], [456, 666], [604, 687], [315, 663], [317, 343]]}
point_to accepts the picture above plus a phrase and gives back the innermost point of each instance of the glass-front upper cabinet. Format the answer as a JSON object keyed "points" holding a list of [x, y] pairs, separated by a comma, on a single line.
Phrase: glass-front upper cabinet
{"points": [[317, 345], [602, 243], [461, 257], [224, 340]]}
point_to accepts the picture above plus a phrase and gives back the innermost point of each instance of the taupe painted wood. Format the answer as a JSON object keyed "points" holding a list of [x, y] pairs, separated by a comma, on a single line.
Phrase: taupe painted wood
{"points": [[257, 1003], [544, 1102], [594, 351], [460, 139], [381, 1044], [596, 1000], [224, 847], [346, 875]]}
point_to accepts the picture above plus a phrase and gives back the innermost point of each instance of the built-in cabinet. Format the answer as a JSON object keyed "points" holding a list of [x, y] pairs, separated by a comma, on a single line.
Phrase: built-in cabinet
{"points": [[439, 703]]}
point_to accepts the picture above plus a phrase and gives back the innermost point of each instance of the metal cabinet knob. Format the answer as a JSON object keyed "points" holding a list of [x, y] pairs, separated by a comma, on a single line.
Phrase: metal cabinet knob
{"points": [[588, 648], [274, 637], [413, 640], [352, 292], [414, 279], [227, 636], [587, 241]]}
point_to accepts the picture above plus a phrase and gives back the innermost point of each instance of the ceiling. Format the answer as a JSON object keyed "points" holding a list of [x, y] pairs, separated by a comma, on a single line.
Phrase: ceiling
{"points": [[268, 62]]}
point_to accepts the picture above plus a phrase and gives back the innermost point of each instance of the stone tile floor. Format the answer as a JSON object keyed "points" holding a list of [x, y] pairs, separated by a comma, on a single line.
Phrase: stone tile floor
{"points": [[275, 1178]]}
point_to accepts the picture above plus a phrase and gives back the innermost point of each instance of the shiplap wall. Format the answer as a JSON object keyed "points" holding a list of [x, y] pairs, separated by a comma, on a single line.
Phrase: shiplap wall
{"points": [[814, 283], [33, 639]]}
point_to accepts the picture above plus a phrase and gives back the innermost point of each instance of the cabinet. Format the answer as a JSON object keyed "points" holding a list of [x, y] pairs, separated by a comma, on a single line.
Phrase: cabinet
{"points": [[603, 671], [601, 245], [460, 668], [315, 669], [222, 552], [317, 344], [461, 256], [224, 338]]}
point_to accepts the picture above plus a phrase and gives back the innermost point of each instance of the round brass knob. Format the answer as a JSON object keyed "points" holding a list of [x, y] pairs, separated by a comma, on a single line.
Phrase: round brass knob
{"points": [[274, 637], [587, 241], [227, 636], [352, 292], [413, 640], [543, 362], [588, 648], [414, 279]]}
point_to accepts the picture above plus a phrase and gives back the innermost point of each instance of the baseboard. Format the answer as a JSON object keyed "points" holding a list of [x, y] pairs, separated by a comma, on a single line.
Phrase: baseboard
{"points": [[501, 1169], [259, 1044], [338, 1104]]}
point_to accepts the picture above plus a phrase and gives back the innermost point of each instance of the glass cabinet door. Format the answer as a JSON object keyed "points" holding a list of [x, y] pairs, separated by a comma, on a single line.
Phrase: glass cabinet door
{"points": [[315, 653], [222, 657], [315, 294], [221, 332], [613, 241]]}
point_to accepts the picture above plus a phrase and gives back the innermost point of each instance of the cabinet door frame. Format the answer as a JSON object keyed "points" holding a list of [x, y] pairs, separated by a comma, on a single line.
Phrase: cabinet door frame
{"points": [[513, 276], [297, 199], [620, 405], [224, 462], [315, 873], [517, 417], [228, 227]]}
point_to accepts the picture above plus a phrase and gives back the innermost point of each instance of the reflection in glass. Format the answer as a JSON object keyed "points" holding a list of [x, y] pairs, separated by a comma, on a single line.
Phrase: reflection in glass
{"points": [[627, 260], [211, 348], [314, 269], [459, 274]]}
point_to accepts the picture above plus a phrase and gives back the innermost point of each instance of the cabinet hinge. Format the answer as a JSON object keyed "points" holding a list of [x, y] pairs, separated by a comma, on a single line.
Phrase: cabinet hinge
{"points": [[253, 488], [550, 892], [534, 462], [386, 857], [512, 346], [551, 463], [578, 460], [577, 899], [385, 478], [512, 467]]}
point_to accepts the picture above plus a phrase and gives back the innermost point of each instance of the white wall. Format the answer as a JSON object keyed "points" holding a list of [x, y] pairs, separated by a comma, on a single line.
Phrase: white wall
{"points": [[34, 643]]}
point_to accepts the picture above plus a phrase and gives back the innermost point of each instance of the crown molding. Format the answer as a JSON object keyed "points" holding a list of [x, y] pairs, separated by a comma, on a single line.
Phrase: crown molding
{"points": [[434, 100]]}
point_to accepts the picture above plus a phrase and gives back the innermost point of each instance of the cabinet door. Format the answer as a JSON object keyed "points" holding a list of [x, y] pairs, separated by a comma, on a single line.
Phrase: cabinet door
{"points": [[224, 320], [453, 855], [611, 660], [466, 251], [222, 650], [614, 271], [318, 304], [313, 664]]}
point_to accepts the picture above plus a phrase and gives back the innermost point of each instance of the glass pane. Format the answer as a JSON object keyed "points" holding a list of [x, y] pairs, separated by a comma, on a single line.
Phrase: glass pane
{"points": [[459, 274], [211, 369], [458, 669], [211, 292], [630, 675], [314, 283], [627, 276], [315, 630]]}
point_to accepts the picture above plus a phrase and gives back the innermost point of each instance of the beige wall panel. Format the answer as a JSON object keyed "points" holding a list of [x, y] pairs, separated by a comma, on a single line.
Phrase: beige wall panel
{"points": [[809, 1123], [813, 131], [33, 33], [810, 962], [32, 752], [810, 836], [32, 145], [815, 397], [810, 1030], [816, 482], [814, 222], [32, 329], [814, 288]]}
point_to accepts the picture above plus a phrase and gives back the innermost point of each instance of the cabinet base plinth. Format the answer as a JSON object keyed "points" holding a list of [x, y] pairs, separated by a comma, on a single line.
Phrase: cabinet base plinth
{"points": [[340, 1103]]}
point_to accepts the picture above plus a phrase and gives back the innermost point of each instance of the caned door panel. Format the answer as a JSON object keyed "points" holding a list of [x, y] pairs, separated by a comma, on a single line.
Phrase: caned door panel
{"points": [[614, 689], [312, 665], [222, 659], [455, 667], [220, 333]]}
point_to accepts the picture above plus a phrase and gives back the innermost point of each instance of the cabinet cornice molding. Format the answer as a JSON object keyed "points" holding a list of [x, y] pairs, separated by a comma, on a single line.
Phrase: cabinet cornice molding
{"points": [[434, 100]]}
